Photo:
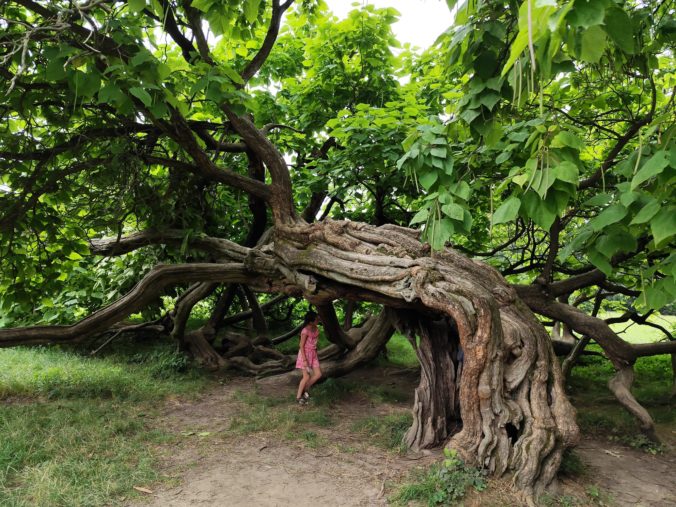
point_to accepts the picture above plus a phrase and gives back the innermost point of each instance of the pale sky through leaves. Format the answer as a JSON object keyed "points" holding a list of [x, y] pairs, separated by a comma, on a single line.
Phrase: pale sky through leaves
{"points": [[420, 23]]}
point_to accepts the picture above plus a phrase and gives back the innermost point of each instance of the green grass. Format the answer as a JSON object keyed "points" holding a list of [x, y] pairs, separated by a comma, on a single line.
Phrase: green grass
{"points": [[400, 352], [53, 373], [386, 431], [600, 414], [279, 415], [73, 427], [635, 333]]}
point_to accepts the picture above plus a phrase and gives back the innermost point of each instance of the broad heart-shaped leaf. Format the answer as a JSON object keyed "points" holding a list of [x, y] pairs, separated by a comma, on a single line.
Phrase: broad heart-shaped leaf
{"points": [[54, 70], [251, 10], [647, 212], [579, 240], [428, 178], [586, 13], [663, 225], [612, 214], [420, 216], [655, 297], [600, 261], [567, 171], [142, 95], [507, 211], [565, 138], [542, 212], [615, 240], [439, 232], [593, 44], [620, 29], [454, 211], [136, 5], [598, 200], [654, 166]]}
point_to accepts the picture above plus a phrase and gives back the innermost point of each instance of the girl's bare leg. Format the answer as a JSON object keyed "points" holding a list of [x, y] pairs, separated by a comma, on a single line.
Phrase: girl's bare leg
{"points": [[316, 375], [303, 384]]}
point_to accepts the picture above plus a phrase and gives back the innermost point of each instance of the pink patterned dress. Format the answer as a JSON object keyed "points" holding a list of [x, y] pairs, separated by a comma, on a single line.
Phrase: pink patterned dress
{"points": [[310, 348]]}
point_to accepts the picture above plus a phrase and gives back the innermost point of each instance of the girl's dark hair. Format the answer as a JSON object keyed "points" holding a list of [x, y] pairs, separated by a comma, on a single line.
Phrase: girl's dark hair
{"points": [[309, 317]]}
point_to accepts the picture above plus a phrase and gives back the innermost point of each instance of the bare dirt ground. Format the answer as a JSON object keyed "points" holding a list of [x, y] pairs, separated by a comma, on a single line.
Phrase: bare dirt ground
{"points": [[211, 465]]}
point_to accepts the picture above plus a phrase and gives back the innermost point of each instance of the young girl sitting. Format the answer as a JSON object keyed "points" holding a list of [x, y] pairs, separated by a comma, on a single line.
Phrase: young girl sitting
{"points": [[307, 359]]}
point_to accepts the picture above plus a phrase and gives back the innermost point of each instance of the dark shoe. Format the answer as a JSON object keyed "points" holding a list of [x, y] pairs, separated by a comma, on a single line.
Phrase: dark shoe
{"points": [[301, 401], [306, 395]]}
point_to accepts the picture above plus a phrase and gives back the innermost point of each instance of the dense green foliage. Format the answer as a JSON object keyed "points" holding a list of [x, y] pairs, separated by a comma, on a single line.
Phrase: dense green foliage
{"points": [[540, 132]]}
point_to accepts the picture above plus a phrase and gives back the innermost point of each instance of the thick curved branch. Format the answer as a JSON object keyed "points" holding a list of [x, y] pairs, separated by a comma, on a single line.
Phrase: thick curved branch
{"points": [[214, 173], [620, 352], [222, 248], [273, 30], [333, 329], [170, 25], [281, 200], [233, 319], [150, 287]]}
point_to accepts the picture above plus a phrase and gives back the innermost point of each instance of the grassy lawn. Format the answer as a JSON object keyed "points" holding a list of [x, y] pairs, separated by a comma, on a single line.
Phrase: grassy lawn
{"points": [[635, 333], [73, 428]]}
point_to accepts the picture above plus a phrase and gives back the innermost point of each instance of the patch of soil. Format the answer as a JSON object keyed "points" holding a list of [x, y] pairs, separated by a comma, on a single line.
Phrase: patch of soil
{"points": [[211, 465], [631, 477]]}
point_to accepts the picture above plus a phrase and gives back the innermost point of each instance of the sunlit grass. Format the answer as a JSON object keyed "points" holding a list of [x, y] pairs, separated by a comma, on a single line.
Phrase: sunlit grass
{"points": [[73, 428]]}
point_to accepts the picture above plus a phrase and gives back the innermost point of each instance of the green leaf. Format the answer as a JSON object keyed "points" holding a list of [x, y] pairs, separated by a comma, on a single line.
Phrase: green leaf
{"points": [[593, 44], [586, 13], [565, 138], [600, 261], [454, 211], [489, 100], [462, 189], [54, 70], [142, 95], [663, 225], [647, 212], [614, 242], [654, 166], [620, 29], [579, 240], [507, 211], [469, 115], [438, 152], [420, 216], [655, 297], [612, 214], [567, 171], [440, 231], [598, 200], [541, 212], [136, 5], [234, 76], [427, 179], [141, 57]]}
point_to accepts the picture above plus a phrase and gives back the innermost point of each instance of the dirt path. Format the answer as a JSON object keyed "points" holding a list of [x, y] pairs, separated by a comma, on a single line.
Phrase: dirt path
{"points": [[633, 478], [265, 469], [211, 465]]}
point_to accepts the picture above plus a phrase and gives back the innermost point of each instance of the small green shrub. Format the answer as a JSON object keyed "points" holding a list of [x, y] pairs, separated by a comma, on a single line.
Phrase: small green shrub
{"points": [[571, 464], [640, 442], [443, 484]]}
